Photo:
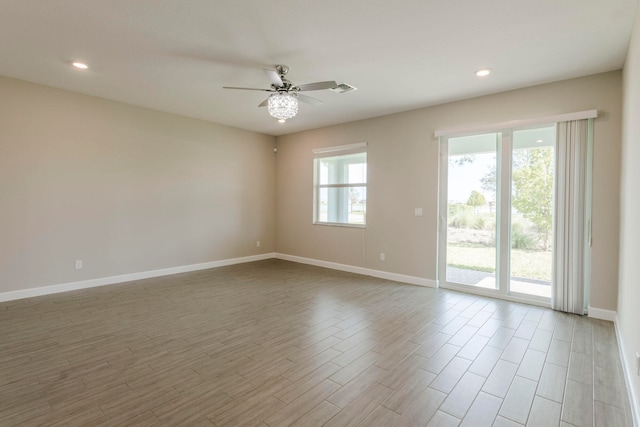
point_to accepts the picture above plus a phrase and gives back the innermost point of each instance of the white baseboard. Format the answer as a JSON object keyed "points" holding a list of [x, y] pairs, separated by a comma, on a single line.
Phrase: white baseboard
{"points": [[628, 379], [602, 314], [412, 280], [112, 280]]}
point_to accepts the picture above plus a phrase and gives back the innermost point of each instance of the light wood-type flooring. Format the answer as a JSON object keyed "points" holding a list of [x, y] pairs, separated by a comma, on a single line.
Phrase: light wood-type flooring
{"points": [[274, 343]]}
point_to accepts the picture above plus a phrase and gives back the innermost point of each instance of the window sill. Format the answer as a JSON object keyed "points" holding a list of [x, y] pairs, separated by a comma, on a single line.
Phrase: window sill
{"points": [[338, 224]]}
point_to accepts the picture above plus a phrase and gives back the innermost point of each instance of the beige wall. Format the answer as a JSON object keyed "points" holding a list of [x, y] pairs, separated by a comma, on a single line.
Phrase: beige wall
{"points": [[629, 285], [128, 189], [125, 189], [403, 175]]}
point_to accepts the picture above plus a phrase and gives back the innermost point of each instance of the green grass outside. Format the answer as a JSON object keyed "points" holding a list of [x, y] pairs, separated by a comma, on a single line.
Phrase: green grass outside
{"points": [[531, 264]]}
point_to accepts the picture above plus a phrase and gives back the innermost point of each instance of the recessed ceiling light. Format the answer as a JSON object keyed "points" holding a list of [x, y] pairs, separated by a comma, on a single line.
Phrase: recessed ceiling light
{"points": [[539, 141], [80, 65], [483, 72]]}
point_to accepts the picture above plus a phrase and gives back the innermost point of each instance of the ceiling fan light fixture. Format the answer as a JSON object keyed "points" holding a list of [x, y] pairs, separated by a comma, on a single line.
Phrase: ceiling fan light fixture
{"points": [[282, 105]]}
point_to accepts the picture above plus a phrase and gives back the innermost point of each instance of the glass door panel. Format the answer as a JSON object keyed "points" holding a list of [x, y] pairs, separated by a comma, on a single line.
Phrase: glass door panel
{"points": [[471, 210], [532, 165]]}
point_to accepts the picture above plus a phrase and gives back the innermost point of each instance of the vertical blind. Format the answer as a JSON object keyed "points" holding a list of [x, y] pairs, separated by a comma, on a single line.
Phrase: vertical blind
{"points": [[570, 265]]}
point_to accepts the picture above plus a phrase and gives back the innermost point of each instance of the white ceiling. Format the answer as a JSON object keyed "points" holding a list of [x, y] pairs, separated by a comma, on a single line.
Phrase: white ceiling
{"points": [[175, 55]]}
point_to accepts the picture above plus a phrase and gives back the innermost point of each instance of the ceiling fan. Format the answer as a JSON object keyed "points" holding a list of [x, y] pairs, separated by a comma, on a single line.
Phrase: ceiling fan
{"points": [[283, 101]]}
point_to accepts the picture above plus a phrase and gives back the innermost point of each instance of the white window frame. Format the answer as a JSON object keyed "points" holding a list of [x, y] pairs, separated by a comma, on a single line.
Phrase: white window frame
{"points": [[336, 151]]}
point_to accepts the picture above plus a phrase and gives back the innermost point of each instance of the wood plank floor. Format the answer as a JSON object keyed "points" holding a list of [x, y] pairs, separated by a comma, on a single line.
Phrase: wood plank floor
{"points": [[275, 343]]}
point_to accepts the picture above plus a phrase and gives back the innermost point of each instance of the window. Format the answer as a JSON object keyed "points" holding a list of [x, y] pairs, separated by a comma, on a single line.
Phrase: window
{"points": [[340, 185]]}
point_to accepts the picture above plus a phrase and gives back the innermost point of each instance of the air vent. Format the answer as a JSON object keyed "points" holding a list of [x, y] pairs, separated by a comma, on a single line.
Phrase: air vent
{"points": [[344, 88]]}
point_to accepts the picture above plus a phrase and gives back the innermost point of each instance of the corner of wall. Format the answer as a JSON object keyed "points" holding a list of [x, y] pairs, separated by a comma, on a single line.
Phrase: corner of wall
{"points": [[628, 380]]}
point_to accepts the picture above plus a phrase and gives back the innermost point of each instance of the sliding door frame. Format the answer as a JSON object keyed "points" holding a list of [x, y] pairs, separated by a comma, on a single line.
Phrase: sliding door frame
{"points": [[504, 157]]}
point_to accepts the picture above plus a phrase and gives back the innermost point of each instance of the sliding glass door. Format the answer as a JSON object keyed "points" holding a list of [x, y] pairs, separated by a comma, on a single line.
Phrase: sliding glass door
{"points": [[532, 163], [471, 228], [496, 212]]}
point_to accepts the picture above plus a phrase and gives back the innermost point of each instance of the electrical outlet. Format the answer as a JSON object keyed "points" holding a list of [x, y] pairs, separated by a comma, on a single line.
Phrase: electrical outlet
{"points": [[382, 256], [257, 243], [78, 264]]}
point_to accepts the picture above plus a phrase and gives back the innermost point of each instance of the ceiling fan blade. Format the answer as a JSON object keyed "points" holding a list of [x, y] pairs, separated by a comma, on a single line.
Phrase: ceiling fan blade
{"points": [[264, 103], [274, 77], [318, 85], [247, 88], [308, 100]]}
